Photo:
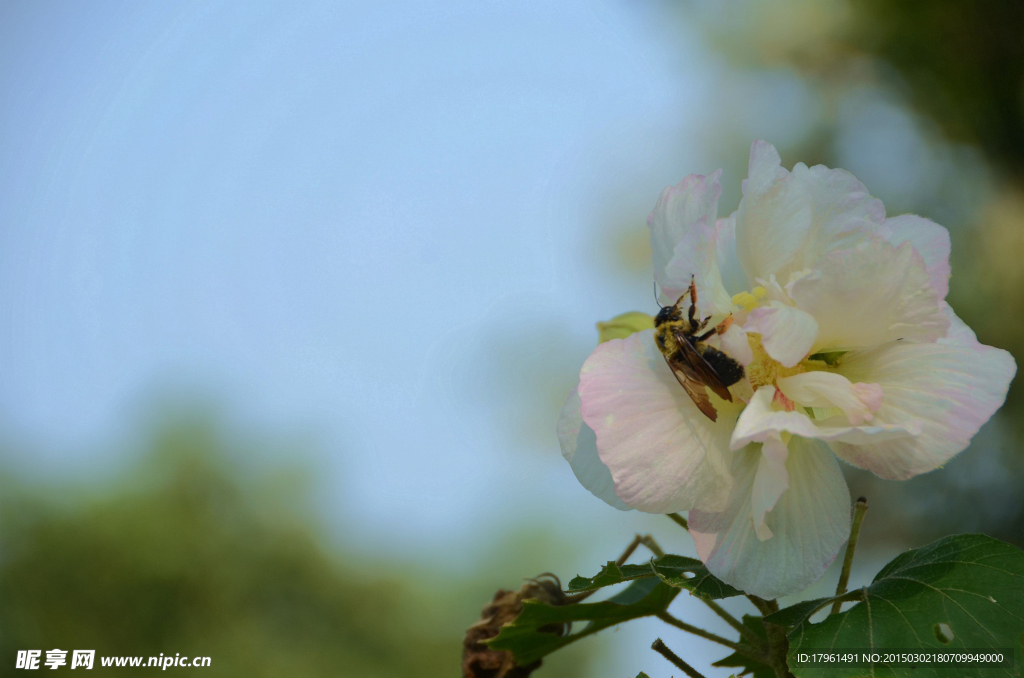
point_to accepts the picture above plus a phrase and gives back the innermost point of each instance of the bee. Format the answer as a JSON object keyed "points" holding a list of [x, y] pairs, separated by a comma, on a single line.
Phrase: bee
{"points": [[694, 363]]}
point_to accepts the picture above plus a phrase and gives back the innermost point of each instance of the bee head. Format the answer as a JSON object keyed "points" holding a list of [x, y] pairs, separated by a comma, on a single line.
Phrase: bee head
{"points": [[667, 314]]}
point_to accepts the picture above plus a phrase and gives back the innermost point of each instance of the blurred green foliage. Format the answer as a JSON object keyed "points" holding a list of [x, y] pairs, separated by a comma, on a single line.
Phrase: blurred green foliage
{"points": [[185, 555], [963, 63]]}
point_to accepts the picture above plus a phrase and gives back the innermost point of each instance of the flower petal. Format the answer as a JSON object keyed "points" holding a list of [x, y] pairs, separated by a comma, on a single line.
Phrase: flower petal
{"points": [[787, 333], [948, 388], [787, 221], [960, 333], [683, 242], [774, 216], [929, 239], [664, 454], [871, 294], [810, 522], [579, 447], [828, 389], [770, 482], [735, 343], [759, 421], [734, 278]]}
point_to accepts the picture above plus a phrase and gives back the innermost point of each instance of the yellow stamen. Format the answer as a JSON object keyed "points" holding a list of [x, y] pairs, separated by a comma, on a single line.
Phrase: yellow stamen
{"points": [[763, 369], [748, 300]]}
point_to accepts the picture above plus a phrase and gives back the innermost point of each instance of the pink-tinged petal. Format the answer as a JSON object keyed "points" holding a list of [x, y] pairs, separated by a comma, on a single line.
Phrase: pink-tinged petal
{"points": [[809, 522], [929, 239], [760, 421], [871, 294], [948, 388], [770, 481], [579, 447], [828, 389], [663, 453], [787, 221], [787, 333], [683, 242]]}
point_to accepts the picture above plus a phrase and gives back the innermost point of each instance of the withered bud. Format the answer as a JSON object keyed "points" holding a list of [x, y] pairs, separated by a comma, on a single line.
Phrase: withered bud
{"points": [[480, 661]]}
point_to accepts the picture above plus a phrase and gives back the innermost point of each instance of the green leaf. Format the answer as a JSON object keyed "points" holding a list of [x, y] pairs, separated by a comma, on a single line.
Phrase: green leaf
{"points": [[673, 570], [535, 632], [970, 583], [750, 666], [677, 571], [610, 575], [642, 675], [799, 612]]}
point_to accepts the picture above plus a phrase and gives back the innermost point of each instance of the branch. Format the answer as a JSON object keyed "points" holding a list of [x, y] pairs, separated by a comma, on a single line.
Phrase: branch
{"points": [[668, 654], [747, 634], [859, 509], [707, 635], [681, 521]]}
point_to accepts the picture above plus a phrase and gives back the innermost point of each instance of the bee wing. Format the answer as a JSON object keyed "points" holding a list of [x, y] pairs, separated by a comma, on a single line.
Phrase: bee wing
{"points": [[696, 391], [703, 372]]}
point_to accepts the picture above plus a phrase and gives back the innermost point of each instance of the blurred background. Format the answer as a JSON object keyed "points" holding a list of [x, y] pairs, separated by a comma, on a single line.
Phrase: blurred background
{"points": [[292, 294]]}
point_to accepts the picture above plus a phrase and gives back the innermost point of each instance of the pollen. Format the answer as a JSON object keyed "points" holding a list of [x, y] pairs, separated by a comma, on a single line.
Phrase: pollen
{"points": [[763, 369], [748, 300]]}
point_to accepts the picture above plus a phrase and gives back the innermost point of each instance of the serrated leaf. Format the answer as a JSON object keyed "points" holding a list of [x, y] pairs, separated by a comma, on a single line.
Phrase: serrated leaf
{"points": [[971, 583], [673, 570], [677, 571], [798, 612], [610, 575], [750, 667], [526, 641]]}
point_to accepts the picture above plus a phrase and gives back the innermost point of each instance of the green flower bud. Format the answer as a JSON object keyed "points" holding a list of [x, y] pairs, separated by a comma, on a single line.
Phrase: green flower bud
{"points": [[621, 326]]}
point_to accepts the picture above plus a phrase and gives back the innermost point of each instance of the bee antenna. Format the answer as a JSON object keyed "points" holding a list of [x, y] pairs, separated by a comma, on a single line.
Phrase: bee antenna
{"points": [[656, 300]]}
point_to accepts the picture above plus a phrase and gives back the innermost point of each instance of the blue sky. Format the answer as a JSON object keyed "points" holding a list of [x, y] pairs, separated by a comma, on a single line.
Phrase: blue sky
{"points": [[331, 217], [380, 227]]}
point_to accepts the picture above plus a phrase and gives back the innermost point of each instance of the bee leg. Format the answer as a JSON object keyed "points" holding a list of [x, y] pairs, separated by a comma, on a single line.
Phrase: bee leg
{"points": [[693, 303], [720, 328], [704, 336]]}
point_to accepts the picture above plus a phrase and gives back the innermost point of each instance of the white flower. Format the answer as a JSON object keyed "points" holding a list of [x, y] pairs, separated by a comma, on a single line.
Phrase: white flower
{"points": [[849, 350]]}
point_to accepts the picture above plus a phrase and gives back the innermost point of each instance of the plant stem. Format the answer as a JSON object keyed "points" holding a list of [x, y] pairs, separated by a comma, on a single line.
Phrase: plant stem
{"points": [[681, 521], [668, 654], [707, 635], [859, 509], [648, 541], [765, 607], [621, 560], [732, 621], [778, 648]]}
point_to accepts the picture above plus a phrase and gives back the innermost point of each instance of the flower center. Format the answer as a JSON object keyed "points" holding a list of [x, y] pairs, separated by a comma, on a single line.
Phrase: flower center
{"points": [[763, 370]]}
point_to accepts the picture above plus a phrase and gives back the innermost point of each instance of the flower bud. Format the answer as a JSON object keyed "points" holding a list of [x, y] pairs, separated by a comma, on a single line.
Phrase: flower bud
{"points": [[621, 326]]}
